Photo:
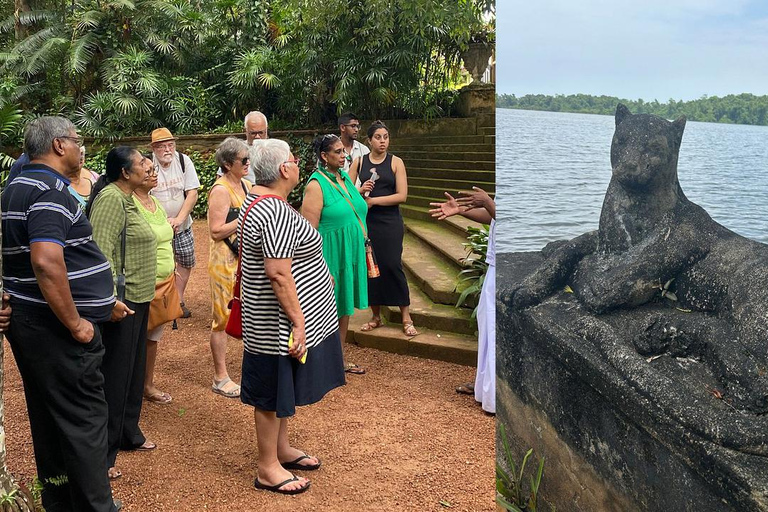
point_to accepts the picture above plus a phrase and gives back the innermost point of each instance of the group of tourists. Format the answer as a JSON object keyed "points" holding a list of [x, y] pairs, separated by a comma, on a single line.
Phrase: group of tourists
{"points": [[96, 268]]}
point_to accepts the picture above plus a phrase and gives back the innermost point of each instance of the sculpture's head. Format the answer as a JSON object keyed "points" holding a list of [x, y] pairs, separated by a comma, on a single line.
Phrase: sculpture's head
{"points": [[644, 150]]}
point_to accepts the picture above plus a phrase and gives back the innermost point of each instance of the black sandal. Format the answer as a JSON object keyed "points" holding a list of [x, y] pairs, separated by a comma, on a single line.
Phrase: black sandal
{"points": [[277, 488]]}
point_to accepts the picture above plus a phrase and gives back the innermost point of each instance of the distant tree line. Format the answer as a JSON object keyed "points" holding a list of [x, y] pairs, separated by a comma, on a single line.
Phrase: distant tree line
{"points": [[734, 108]]}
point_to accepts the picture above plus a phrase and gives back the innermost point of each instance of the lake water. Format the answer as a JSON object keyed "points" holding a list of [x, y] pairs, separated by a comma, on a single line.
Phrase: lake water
{"points": [[552, 170]]}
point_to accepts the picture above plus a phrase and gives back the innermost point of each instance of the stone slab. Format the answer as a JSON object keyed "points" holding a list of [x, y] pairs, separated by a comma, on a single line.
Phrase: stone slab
{"points": [[645, 457]]}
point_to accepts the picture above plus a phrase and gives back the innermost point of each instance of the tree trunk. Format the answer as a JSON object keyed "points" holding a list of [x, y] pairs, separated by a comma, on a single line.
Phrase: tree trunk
{"points": [[19, 7], [21, 503]]}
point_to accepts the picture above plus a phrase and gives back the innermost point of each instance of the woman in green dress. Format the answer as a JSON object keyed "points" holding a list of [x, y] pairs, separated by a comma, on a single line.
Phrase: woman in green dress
{"points": [[336, 209]]}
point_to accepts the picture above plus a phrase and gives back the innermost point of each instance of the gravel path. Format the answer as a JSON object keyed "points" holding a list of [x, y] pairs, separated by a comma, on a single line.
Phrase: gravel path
{"points": [[397, 438]]}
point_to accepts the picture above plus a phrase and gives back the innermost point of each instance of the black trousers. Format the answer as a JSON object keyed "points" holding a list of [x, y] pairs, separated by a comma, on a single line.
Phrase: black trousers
{"points": [[64, 388], [125, 361]]}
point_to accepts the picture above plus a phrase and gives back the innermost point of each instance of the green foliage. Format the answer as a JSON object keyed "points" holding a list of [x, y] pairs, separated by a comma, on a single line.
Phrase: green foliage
{"points": [[734, 108], [23, 497], [510, 487], [307, 165], [206, 168], [474, 274], [96, 162], [120, 67]]}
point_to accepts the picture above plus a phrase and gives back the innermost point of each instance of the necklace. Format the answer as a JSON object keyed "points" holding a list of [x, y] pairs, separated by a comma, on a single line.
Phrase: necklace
{"points": [[149, 205]]}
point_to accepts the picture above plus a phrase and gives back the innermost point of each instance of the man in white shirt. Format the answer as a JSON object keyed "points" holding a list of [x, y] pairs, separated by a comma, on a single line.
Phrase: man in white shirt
{"points": [[177, 185], [349, 127]]}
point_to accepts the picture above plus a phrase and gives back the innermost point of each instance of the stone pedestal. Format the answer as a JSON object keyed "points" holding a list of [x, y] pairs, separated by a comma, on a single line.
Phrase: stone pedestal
{"points": [[608, 445], [476, 99]]}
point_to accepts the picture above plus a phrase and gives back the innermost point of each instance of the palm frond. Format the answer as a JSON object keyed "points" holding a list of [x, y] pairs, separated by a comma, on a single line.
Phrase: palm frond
{"points": [[81, 52], [25, 19]]}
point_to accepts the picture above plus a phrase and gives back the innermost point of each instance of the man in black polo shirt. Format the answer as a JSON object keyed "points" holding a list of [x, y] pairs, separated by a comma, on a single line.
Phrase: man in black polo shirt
{"points": [[60, 286]]}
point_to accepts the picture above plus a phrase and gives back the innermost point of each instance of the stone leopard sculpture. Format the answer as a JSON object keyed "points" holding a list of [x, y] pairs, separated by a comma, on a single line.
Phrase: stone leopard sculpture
{"points": [[650, 235]]}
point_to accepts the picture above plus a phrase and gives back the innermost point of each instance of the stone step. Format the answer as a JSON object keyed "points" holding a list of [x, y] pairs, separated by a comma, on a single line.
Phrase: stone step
{"points": [[486, 120], [469, 138], [426, 162], [429, 344], [457, 223], [488, 130], [438, 148], [429, 315], [437, 278], [443, 241], [466, 174], [422, 201], [452, 155], [450, 185]]}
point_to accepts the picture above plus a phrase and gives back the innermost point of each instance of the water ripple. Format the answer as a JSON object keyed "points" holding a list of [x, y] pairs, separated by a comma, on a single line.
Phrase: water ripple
{"points": [[552, 170]]}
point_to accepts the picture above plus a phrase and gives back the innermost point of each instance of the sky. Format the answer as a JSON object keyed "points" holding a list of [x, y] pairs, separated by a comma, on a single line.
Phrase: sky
{"points": [[652, 49]]}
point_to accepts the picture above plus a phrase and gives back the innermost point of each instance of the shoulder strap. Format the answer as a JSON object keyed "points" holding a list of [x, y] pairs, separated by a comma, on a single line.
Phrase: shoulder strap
{"points": [[181, 161], [238, 273], [362, 224]]}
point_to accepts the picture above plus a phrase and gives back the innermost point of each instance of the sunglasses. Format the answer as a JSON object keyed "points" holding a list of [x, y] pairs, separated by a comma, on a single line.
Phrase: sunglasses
{"points": [[245, 160]]}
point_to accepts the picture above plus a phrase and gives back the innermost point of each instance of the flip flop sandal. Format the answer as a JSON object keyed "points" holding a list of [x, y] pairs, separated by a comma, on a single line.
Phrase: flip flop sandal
{"points": [[218, 388], [466, 389], [354, 369], [277, 488], [375, 323], [146, 447], [159, 398], [409, 330], [294, 464]]}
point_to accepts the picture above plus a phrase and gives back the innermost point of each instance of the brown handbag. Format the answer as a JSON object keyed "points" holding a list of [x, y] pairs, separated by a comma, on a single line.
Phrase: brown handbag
{"points": [[166, 305]]}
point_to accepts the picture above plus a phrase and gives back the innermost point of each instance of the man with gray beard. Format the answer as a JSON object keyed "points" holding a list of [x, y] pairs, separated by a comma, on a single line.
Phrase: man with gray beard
{"points": [[177, 185]]}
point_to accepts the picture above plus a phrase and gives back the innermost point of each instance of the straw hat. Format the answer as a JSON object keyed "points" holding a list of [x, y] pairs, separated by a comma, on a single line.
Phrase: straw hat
{"points": [[162, 135]]}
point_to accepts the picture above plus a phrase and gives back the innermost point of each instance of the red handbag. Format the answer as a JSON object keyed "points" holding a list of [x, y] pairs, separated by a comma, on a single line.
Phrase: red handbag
{"points": [[235, 322]]}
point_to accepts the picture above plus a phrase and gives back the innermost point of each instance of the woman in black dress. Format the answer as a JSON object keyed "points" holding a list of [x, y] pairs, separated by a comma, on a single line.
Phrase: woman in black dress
{"points": [[385, 225]]}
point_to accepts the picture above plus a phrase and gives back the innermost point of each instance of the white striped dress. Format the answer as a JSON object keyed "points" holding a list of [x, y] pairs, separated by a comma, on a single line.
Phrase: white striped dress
{"points": [[273, 229]]}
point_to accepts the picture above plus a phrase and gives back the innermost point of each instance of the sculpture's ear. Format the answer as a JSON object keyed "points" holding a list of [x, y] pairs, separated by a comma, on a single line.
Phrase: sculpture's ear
{"points": [[621, 112], [679, 125]]}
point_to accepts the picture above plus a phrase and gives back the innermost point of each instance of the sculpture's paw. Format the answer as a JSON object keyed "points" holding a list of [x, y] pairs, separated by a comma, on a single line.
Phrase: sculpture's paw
{"points": [[521, 297]]}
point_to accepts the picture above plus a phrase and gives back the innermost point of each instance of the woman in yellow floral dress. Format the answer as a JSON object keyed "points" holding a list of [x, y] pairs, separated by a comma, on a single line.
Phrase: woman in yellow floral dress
{"points": [[224, 200]]}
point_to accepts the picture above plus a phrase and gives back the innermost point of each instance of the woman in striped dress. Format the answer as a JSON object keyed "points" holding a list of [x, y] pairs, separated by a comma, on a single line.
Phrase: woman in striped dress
{"points": [[288, 313]]}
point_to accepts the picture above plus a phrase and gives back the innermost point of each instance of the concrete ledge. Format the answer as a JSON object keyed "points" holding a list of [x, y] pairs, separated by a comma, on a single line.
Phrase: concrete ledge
{"points": [[429, 344], [636, 453]]}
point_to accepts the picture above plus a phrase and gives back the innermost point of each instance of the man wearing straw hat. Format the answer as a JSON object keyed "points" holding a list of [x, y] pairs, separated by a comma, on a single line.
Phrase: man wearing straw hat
{"points": [[177, 185]]}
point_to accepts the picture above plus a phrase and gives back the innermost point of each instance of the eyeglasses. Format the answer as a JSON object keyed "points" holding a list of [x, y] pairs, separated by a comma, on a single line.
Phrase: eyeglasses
{"points": [[79, 140], [292, 161], [164, 145], [244, 160], [153, 171], [258, 134]]}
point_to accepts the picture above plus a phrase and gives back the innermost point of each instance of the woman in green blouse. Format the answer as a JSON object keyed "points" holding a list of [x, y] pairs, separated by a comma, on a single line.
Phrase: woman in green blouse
{"points": [[154, 214], [112, 212], [336, 209]]}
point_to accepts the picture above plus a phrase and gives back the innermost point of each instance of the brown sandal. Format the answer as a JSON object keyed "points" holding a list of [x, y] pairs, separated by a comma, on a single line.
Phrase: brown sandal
{"points": [[409, 329], [375, 323]]}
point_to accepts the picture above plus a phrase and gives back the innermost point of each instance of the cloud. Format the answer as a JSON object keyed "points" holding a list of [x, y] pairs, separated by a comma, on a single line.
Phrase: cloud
{"points": [[654, 49]]}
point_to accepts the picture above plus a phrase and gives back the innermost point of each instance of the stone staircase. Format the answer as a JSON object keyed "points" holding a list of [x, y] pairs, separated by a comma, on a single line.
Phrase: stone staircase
{"points": [[433, 254]]}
